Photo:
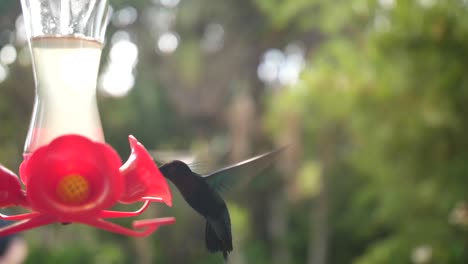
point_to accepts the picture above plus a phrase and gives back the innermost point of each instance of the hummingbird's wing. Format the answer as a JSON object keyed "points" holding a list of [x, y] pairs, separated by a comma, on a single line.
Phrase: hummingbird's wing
{"points": [[233, 175], [164, 156], [192, 160]]}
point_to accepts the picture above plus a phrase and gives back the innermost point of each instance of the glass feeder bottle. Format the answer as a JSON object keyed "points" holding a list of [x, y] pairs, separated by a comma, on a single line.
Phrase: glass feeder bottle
{"points": [[65, 39]]}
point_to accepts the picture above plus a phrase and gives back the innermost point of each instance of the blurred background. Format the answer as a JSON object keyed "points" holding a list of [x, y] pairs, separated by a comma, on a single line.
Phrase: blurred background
{"points": [[370, 95]]}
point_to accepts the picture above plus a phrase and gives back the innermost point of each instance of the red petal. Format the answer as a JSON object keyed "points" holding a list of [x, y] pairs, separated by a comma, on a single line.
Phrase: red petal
{"points": [[141, 229], [10, 189], [22, 169], [21, 226], [155, 221], [96, 163], [143, 180]]}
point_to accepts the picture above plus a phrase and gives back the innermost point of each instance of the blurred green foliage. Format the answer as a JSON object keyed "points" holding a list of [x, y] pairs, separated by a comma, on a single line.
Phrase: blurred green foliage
{"points": [[397, 90]]}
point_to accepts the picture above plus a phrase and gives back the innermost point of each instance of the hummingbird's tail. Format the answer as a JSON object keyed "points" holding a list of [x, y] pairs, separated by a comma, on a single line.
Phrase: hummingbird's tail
{"points": [[218, 235]]}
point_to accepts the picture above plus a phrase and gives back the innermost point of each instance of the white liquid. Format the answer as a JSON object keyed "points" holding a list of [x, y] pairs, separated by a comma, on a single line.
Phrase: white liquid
{"points": [[66, 71]]}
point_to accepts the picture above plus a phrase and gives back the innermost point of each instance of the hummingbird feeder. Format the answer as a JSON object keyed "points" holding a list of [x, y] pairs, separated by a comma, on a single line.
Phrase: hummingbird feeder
{"points": [[69, 174]]}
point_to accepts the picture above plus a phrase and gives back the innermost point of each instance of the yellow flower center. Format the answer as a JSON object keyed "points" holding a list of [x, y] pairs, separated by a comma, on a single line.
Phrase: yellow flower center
{"points": [[73, 189]]}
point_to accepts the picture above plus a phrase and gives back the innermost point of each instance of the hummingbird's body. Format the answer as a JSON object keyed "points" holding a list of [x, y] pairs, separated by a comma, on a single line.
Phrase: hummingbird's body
{"points": [[206, 201], [202, 194]]}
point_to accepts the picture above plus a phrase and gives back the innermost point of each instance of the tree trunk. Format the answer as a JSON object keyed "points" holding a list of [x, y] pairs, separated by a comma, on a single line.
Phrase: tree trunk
{"points": [[279, 228], [241, 118], [144, 246], [289, 163], [319, 236]]}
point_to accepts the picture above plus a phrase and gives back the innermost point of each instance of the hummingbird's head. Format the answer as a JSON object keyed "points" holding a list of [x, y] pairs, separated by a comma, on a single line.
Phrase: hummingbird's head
{"points": [[175, 169]]}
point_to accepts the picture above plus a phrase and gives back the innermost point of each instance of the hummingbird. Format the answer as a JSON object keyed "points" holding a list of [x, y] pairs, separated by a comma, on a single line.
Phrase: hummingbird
{"points": [[202, 193]]}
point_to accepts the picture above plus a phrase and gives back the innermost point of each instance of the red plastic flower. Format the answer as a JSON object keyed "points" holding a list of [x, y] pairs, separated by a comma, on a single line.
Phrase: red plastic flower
{"points": [[74, 179]]}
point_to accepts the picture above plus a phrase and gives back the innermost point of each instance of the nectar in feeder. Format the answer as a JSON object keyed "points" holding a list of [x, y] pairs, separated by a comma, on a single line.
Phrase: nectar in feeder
{"points": [[66, 70], [65, 39]]}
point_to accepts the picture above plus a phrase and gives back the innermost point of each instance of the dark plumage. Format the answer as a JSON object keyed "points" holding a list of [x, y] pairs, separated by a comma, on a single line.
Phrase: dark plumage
{"points": [[201, 193], [201, 197]]}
